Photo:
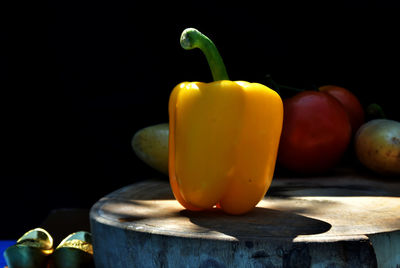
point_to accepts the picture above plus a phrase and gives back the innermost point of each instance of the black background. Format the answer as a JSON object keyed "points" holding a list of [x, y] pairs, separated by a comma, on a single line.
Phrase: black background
{"points": [[79, 78]]}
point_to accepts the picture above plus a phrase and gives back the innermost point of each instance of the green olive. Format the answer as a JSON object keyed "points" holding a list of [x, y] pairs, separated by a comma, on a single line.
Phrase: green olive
{"points": [[377, 146], [150, 144], [32, 250]]}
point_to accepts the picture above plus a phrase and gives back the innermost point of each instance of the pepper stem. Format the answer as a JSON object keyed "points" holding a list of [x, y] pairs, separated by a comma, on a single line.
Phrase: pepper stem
{"points": [[192, 38]]}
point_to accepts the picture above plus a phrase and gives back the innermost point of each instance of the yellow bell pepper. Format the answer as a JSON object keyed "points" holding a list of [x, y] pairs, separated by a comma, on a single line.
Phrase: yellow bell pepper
{"points": [[223, 138]]}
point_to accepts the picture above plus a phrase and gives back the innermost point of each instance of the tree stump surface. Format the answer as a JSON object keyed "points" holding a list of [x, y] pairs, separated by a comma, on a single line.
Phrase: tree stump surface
{"points": [[343, 220]]}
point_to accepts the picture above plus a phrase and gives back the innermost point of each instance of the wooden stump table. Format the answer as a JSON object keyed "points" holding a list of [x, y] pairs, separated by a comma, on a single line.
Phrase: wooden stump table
{"points": [[344, 220]]}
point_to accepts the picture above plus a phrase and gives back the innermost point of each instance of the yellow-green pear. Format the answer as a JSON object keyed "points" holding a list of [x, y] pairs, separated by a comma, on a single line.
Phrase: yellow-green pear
{"points": [[150, 144], [377, 146]]}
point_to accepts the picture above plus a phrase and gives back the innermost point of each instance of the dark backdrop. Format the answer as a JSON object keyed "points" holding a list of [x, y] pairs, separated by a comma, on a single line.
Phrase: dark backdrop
{"points": [[78, 79]]}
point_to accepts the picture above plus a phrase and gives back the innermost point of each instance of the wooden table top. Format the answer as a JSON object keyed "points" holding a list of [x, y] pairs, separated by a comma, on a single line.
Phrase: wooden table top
{"points": [[344, 205]]}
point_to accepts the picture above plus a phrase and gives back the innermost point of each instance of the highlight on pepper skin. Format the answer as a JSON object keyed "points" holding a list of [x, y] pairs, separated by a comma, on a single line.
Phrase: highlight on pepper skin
{"points": [[223, 143]]}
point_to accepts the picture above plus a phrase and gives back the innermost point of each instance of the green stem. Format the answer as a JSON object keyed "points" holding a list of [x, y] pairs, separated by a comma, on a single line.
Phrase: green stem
{"points": [[374, 110], [192, 38], [280, 88], [271, 82]]}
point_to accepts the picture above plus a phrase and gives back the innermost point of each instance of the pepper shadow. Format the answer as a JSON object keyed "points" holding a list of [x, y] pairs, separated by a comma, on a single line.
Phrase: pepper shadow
{"points": [[260, 223]]}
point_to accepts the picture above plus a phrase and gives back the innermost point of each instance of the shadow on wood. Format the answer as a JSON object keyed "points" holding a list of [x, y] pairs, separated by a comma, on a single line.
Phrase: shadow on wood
{"points": [[260, 222]]}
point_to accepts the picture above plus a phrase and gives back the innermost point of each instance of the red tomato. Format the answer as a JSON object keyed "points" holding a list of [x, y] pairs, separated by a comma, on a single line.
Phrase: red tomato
{"points": [[350, 102], [316, 132]]}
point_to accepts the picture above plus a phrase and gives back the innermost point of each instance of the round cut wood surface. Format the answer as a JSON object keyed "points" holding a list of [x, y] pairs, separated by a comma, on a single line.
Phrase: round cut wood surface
{"points": [[299, 210]]}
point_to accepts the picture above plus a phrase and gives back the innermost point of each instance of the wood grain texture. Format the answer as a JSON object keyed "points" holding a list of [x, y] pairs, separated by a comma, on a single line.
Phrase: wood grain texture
{"points": [[337, 221]]}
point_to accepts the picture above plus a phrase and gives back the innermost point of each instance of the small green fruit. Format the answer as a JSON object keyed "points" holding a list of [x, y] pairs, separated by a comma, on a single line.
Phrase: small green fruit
{"points": [[74, 251], [32, 250], [150, 144]]}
